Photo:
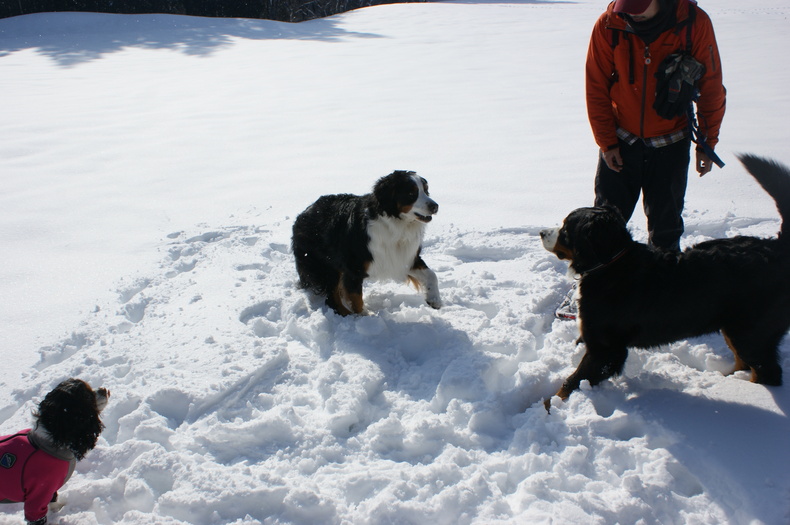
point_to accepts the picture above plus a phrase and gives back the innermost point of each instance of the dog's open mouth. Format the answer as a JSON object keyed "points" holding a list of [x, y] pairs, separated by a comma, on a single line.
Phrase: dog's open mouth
{"points": [[423, 218]]}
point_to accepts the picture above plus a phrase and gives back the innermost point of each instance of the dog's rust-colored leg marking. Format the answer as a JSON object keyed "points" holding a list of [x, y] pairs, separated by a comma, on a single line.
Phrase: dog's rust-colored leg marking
{"points": [[764, 364], [353, 290], [357, 304], [346, 302], [417, 264], [563, 393], [338, 298], [740, 364]]}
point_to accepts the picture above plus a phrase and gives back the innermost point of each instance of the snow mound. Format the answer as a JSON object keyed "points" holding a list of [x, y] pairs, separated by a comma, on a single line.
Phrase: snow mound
{"points": [[237, 398]]}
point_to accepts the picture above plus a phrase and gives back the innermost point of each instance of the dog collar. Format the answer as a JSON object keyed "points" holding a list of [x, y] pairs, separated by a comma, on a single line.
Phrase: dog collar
{"points": [[619, 255]]}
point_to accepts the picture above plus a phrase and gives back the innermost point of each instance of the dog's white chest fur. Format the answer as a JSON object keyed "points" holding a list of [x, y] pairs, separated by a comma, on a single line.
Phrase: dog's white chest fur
{"points": [[394, 244]]}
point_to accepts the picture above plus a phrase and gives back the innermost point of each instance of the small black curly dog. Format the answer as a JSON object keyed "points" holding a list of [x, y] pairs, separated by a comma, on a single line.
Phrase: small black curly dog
{"points": [[35, 463], [631, 295]]}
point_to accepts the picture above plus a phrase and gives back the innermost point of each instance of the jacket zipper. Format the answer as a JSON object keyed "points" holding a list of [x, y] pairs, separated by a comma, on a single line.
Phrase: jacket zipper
{"points": [[647, 61]]}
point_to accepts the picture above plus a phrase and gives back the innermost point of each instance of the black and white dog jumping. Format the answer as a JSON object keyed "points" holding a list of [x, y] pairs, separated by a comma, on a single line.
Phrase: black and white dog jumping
{"points": [[341, 240]]}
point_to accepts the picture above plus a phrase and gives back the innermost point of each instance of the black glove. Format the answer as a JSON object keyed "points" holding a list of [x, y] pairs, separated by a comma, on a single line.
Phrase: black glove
{"points": [[676, 85]]}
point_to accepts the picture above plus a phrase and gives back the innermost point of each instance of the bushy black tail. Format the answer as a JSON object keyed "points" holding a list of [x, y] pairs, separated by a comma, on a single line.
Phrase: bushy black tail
{"points": [[775, 180]]}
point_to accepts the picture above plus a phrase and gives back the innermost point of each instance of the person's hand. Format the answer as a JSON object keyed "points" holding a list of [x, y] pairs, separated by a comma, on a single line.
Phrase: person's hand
{"points": [[704, 164], [613, 159]]}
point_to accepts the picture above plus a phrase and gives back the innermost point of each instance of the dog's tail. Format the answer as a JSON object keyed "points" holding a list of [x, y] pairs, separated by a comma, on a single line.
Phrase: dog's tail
{"points": [[775, 180]]}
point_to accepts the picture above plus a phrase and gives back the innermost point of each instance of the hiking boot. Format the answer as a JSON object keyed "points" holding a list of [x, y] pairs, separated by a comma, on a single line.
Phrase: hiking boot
{"points": [[568, 310]]}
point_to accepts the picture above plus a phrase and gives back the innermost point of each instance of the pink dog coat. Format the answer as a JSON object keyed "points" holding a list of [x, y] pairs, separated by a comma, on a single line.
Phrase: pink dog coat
{"points": [[30, 474]]}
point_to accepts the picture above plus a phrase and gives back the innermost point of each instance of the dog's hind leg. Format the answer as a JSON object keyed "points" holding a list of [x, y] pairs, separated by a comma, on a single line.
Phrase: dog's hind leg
{"points": [[336, 300], [758, 349], [346, 297], [740, 364]]}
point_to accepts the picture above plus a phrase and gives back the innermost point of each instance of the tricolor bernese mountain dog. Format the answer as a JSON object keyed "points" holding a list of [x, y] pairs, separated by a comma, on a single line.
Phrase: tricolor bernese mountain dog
{"points": [[632, 295], [340, 240]]}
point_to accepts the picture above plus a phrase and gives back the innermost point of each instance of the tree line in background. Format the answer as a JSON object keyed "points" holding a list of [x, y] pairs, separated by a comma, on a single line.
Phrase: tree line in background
{"points": [[282, 10]]}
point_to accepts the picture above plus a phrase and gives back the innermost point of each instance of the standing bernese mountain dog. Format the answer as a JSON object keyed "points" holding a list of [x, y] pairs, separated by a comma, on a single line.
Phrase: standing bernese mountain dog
{"points": [[340, 240], [632, 295]]}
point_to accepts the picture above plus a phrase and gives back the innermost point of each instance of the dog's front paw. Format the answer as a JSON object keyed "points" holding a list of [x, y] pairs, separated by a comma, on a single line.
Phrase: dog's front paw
{"points": [[56, 506]]}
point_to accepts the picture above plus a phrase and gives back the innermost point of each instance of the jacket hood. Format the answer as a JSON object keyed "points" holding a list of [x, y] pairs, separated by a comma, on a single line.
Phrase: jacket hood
{"points": [[40, 438], [618, 21]]}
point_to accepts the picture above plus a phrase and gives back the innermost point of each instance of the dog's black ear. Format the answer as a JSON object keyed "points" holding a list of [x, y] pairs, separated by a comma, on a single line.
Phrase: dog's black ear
{"points": [[71, 416], [600, 238], [384, 192], [585, 255], [424, 185], [383, 186], [391, 192], [615, 214]]}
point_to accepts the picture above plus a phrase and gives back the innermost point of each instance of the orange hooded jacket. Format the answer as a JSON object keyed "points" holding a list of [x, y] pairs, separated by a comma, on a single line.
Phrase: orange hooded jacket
{"points": [[613, 100]]}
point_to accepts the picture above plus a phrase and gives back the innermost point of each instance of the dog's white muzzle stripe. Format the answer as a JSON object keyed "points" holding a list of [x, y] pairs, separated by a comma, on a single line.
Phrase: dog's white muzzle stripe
{"points": [[549, 238]]}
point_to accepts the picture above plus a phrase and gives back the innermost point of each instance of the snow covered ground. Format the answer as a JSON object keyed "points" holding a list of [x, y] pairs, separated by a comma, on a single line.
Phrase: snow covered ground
{"points": [[151, 170]]}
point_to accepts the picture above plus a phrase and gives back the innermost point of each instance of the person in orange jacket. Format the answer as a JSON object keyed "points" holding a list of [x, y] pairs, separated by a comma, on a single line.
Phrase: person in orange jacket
{"points": [[641, 151]]}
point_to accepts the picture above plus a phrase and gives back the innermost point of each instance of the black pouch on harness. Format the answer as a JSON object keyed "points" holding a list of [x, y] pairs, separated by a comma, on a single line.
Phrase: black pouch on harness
{"points": [[676, 84]]}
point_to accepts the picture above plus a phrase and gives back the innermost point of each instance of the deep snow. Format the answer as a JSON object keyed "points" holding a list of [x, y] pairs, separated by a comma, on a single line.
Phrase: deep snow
{"points": [[151, 169]]}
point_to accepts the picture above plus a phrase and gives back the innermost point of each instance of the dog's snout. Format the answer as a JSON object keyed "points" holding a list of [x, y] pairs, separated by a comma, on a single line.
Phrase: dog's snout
{"points": [[102, 397], [433, 207], [549, 238]]}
